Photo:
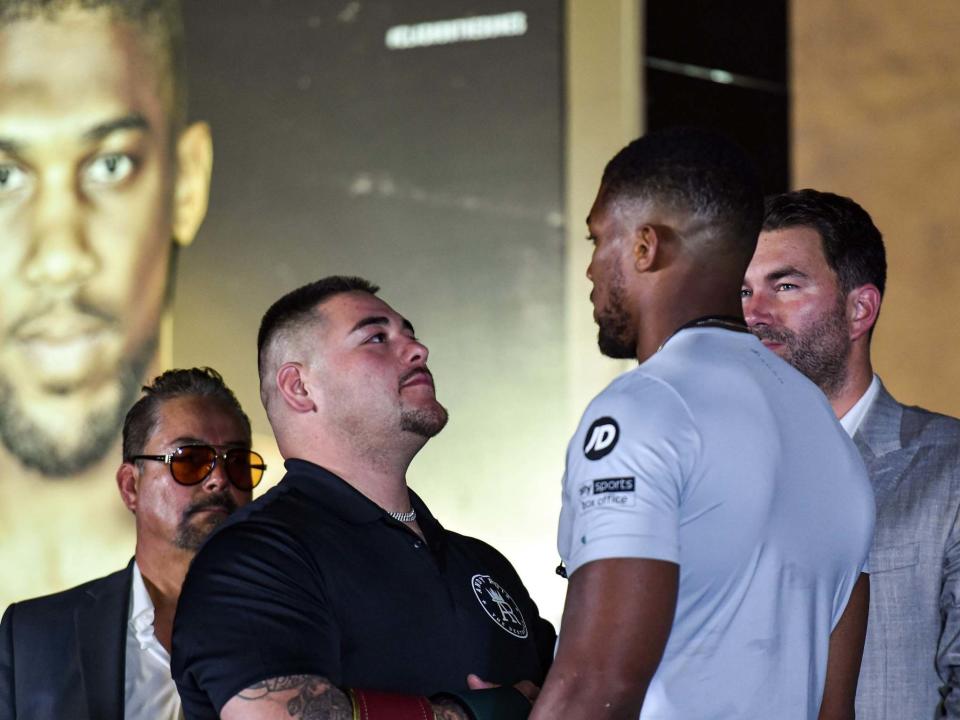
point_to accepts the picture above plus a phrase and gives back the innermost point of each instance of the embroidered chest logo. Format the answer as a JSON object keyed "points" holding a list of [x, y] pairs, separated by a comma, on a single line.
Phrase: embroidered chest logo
{"points": [[498, 604], [601, 438]]}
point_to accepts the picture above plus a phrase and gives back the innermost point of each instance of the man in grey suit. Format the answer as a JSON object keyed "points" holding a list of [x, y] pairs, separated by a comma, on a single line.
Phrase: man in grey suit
{"points": [[812, 294], [100, 651]]}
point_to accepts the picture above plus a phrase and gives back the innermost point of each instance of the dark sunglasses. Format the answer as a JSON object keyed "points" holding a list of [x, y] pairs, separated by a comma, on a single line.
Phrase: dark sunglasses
{"points": [[192, 464]]}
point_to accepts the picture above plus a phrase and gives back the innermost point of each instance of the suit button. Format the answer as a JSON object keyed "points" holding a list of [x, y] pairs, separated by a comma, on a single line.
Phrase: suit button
{"points": [[417, 544]]}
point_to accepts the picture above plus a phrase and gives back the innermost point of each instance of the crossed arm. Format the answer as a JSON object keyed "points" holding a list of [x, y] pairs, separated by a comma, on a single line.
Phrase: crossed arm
{"points": [[306, 697], [610, 646], [616, 621]]}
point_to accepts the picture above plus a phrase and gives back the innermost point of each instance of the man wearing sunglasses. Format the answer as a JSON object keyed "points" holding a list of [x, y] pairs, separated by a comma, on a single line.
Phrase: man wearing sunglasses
{"points": [[338, 592], [101, 650]]}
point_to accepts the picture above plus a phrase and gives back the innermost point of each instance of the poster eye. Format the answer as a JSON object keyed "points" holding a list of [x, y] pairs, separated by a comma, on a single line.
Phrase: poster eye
{"points": [[12, 178], [110, 169]]}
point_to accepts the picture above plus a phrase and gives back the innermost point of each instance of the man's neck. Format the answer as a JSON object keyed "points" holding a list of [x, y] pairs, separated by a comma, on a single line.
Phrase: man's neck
{"points": [[673, 313], [384, 483], [163, 571], [848, 396], [859, 375], [378, 471]]}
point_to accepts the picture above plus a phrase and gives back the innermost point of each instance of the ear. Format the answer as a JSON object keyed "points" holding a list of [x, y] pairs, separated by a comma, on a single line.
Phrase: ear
{"points": [[192, 187], [863, 307], [127, 477], [646, 245], [293, 389]]}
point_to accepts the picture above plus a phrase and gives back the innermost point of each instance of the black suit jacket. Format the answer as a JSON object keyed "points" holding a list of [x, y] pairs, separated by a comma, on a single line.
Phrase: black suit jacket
{"points": [[62, 656]]}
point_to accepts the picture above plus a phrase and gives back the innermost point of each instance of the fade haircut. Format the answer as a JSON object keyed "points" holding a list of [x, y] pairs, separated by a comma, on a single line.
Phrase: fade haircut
{"points": [[696, 171], [160, 22], [296, 309], [852, 244], [141, 420]]}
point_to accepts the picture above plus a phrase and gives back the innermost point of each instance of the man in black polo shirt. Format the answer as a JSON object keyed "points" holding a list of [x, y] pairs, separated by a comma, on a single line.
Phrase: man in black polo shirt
{"points": [[338, 592]]}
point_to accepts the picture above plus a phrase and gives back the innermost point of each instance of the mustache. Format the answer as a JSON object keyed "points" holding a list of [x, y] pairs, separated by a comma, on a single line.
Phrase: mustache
{"points": [[413, 373], [80, 307], [765, 332], [222, 499]]}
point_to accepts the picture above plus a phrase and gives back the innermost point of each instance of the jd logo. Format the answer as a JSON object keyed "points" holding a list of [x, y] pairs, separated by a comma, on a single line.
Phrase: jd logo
{"points": [[601, 438]]}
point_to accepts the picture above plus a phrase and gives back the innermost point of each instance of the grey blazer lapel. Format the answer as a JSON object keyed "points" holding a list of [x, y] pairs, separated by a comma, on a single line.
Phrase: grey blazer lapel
{"points": [[101, 624], [881, 445]]}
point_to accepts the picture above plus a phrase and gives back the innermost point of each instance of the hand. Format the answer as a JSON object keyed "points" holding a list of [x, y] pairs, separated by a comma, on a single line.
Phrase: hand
{"points": [[527, 688], [447, 709]]}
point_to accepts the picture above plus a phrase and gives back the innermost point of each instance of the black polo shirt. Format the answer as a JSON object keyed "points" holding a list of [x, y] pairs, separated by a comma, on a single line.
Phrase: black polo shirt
{"points": [[314, 578]]}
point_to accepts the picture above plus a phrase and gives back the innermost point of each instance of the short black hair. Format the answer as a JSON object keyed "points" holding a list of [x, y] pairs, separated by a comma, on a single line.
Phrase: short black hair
{"points": [[695, 170], [297, 307], [852, 244], [141, 420], [160, 20]]}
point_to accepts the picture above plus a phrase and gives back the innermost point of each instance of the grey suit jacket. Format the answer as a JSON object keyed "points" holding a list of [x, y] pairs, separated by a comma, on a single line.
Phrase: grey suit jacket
{"points": [[911, 662], [62, 656]]}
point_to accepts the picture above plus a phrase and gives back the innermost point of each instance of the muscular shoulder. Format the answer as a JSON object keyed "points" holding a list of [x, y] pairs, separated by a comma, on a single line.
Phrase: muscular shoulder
{"points": [[641, 395], [637, 412], [272, 522], [264, 544], [246, 549]]}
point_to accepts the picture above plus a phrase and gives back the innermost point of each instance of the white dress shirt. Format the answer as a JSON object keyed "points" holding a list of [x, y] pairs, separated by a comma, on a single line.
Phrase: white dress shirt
{"points": [[854, 416], [149, 691]]}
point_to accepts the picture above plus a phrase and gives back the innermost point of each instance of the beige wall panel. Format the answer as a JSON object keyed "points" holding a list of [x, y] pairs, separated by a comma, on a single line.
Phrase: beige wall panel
{"points": [[876, 116], [603, 114]]}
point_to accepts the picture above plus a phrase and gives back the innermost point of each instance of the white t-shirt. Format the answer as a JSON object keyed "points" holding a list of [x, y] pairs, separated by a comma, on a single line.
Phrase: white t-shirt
{"points": [[718, 456], [149, 691]]}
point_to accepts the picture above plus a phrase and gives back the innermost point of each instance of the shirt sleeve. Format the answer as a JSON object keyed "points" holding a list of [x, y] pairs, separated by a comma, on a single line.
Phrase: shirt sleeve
{"points": [[252, 608], [627, 470]]}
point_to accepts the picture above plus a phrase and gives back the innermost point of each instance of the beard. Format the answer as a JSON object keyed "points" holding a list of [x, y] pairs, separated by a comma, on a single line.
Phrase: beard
{"points": [[425, 422], [820, 352], [191, 535], [614, 337], [40, 443]]}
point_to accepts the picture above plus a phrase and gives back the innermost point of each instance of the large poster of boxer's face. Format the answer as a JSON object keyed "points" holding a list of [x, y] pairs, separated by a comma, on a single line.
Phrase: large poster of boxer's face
{"points": [[416, 144], [101, 178]]}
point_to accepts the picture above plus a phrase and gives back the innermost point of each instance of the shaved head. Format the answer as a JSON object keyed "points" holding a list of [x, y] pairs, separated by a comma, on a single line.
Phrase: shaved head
{"points": [[284, 322], [701, 182]]}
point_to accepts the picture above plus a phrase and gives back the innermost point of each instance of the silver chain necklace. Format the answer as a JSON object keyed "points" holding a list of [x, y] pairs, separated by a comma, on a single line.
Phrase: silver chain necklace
{"points": [[404, 517], [717, 321]]}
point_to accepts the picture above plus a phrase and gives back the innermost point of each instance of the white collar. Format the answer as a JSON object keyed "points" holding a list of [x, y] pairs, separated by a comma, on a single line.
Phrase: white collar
{"points": [[148, 690], [853, 418], [141, 610]]}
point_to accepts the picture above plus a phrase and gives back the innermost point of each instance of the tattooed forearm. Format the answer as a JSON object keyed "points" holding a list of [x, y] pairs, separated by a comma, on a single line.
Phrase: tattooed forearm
{"points": [[444, 709], [305, 697], [265, 687]]}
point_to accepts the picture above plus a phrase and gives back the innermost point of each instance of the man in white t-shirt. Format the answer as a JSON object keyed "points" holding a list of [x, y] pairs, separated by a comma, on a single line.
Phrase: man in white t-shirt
{"points": [[812, 294], [101, 651], [716, 519]]}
